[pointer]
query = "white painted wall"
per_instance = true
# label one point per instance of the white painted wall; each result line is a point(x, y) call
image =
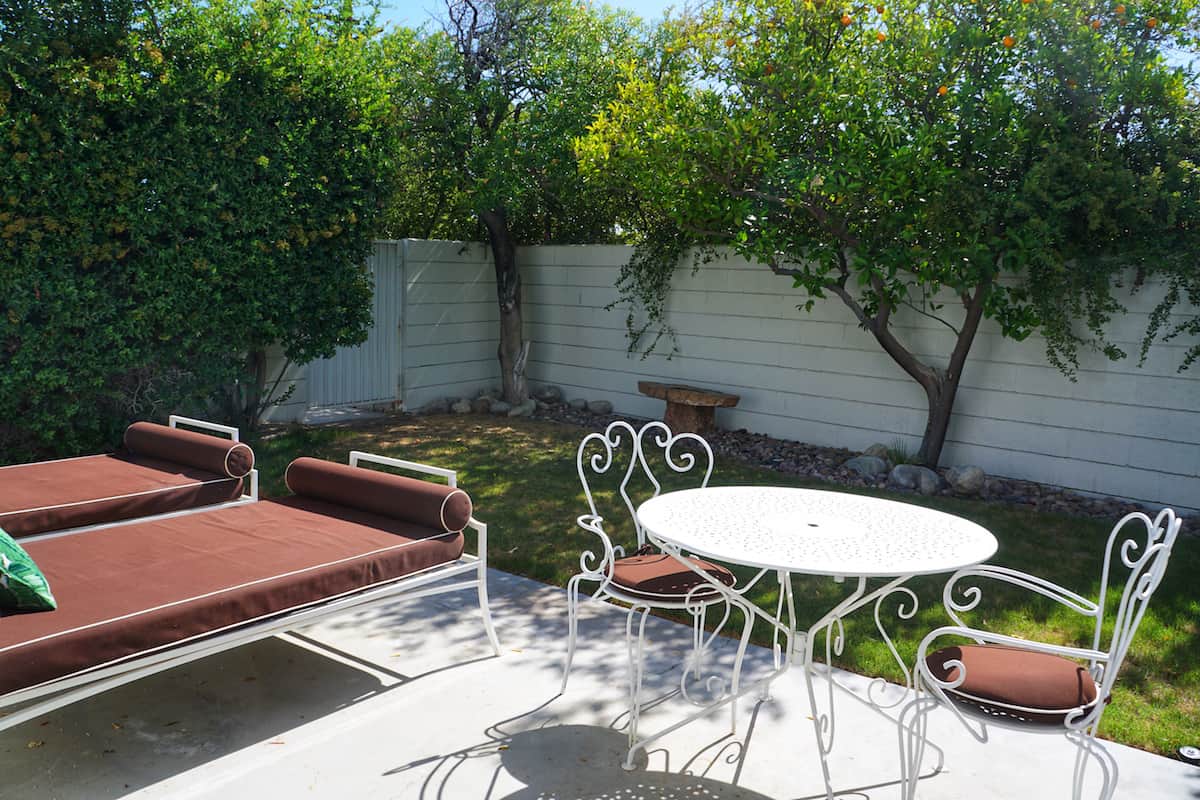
point(292, 376)
point(1119, 429)
point(451, 321)
point(818, 378)
point(369, 373)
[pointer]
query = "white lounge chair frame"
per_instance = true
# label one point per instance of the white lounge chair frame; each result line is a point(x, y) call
point(51, 695)
point(249, 495)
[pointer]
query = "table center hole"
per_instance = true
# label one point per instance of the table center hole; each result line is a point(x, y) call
point(813, 525)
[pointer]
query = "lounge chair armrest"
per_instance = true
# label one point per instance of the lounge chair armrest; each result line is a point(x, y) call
point(450, 475)
point(971, 595)
point(174, 421)
point(481, 530)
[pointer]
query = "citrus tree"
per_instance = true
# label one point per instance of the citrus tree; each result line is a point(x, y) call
point(1001, 159)
point(492, 102)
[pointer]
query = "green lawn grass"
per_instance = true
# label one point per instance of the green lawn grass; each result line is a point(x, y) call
point(521, 475)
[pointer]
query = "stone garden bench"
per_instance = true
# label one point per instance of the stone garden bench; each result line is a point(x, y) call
point(689, 409)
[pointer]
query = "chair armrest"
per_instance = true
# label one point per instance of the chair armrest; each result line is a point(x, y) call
point(591, 569)
point(450, 475)
point(480, 529)
point(973, 594)
point(989, 637)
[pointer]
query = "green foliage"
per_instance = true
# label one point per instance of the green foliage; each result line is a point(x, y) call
point(1021, 153)
point(1183, 287)
point(901, 453)
point(181, 184)
point(491, 104)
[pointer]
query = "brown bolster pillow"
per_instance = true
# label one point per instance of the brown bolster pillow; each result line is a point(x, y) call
point(431, 505)
point(199, 450)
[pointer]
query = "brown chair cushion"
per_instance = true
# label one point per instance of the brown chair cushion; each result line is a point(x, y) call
point(428, 504)
point(199, 450)
point(1003, 681)
point(658, 576)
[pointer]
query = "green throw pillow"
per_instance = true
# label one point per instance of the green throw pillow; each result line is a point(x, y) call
point(23, 587)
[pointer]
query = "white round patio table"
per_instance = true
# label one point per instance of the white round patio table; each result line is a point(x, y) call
point(813, 532)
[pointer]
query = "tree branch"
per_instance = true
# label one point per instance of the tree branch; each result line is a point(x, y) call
point(934, 317)
point(975, 306)
point(778, 270)
point(878, 326)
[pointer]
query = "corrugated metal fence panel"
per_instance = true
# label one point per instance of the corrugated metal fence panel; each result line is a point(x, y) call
point(370, 372)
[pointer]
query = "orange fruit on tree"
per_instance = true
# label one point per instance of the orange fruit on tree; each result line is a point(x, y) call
point(1120, 9)
point(1009, 41)
point(879, 8)
point(942, 90)
point(1152, 22)
point(1095, 24)
point(880, 36)
point(846, 20)
point(730, 42)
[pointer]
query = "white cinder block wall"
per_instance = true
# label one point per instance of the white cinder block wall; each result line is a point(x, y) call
point(450, 325)
point(445, 308)
point(817, 377)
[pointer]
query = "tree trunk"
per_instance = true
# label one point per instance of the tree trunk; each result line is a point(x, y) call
point(252, 399)
point(940, 396)
point(513, 348)
point(940, 385)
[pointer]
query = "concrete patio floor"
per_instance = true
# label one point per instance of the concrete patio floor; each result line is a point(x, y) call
point(406, 701)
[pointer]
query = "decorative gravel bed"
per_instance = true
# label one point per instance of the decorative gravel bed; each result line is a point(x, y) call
point(826, 464)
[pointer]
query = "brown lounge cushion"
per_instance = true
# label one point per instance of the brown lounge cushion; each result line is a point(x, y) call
point(420, 502)
point(658, 576)
point(1004, 681)
point(91, 490)
point(132, 588)
point(199, 450)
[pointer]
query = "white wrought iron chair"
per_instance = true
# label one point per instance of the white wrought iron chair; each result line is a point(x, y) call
point(1037, 687)
point(643, 579)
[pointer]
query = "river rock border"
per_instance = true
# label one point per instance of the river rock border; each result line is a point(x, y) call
point(831, 464)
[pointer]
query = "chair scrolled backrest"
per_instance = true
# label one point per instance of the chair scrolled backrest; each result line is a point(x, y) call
point(1145, 554)
point(655, 436)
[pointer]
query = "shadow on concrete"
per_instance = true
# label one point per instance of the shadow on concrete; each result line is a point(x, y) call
point(139, 734)
point(530, 615)
point(581, 762)
point(586, 766)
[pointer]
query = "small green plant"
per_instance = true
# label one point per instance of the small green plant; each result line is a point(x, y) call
point(899, 453)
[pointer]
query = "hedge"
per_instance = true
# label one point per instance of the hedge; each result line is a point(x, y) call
point(181, 185)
